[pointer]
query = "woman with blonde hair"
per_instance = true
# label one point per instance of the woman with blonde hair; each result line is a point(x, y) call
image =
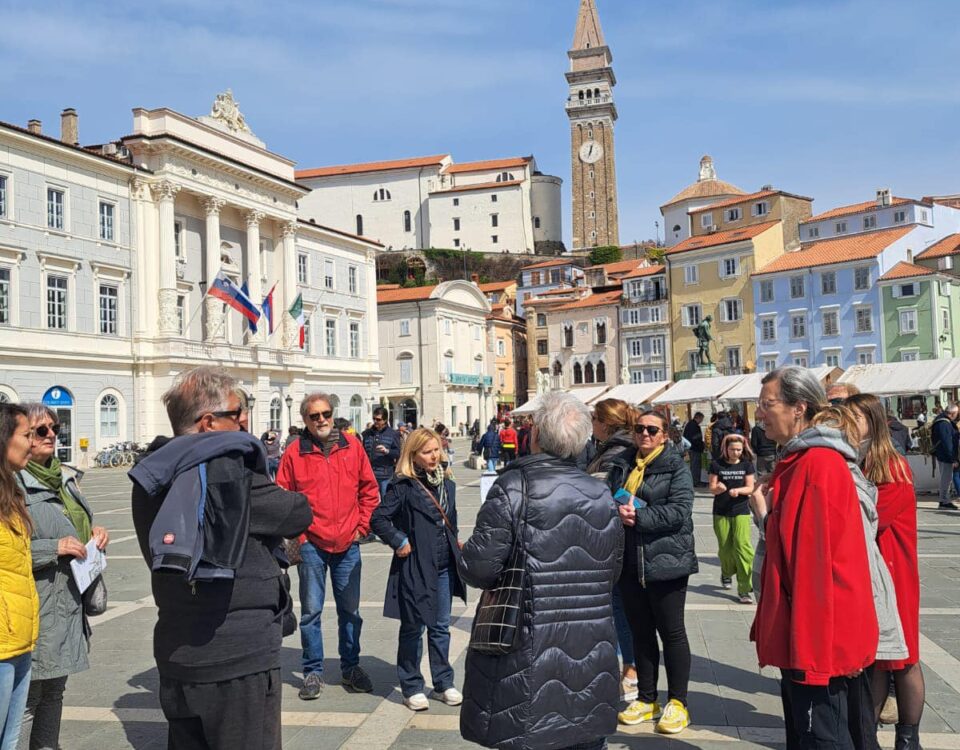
point(732, 480)
point(19, 605)
point(418, 519)
point(897, 540)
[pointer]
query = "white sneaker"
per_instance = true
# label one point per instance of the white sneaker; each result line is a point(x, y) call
point(628, 689)
point(450, 696)
point(417, 702)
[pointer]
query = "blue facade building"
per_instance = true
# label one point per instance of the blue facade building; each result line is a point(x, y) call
point(546, 276)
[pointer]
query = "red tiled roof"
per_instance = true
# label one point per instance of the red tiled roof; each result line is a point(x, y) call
point(904, 270)
point(720, 238)
point(496, 286)
point(404, 295)
point(562, 290)
point(549, 263)
point(704, 189)
point(620, 266)
point(485, 166)
point(479, 186)
point(949, 245)
point(385, 287)
point(647, 271)
point(594, 300)
point(750, 197)
point(372, 166)
point(836, 250)
point(856, 208)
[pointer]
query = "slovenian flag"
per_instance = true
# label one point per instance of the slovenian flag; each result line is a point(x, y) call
point(296, 312)
point(251, 324)
point(267, 309)
point(224, 289)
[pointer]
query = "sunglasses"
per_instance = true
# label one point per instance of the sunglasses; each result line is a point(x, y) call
point(837, 401)
point(650, 429)
point(325, 414)
point(42, 431)
point(233, 414)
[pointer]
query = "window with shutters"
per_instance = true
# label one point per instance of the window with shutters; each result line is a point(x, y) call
point(864, 319)
point(861, 278)
point(828, 282)
point(732, 310)
point(831, 323)
point(766, 291)
point(768, 329)
point(796, 287)
point(908, 321)
point(798, 326)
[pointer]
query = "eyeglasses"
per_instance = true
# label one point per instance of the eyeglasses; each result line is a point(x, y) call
point(42, 431)
point(325, 414)
point(765, 405)
point(233, 414)
point(650, 429)
point(379, 419)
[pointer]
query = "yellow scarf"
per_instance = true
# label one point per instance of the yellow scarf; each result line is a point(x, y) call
point(636, 476)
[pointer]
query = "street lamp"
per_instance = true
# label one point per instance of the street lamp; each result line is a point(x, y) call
point(289, 402)
point(251, 400)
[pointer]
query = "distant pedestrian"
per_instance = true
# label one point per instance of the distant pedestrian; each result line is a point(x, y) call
point(271, 442)
point(508, 441)
point(720, 429)
point(293, 435)
point(732, 480)
point(763, 448)
point(694, 435)
point(490, 447)
point(946, 441)
point(382, 445)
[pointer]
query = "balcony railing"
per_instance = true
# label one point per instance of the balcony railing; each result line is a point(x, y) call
point(647, 297)
point(573, 102)
point(647, 359)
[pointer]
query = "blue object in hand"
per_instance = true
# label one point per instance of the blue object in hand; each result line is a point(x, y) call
point(623, 497)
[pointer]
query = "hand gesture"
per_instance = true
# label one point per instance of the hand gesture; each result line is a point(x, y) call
point(71, 546)
point(101, 536)
point(628, 514)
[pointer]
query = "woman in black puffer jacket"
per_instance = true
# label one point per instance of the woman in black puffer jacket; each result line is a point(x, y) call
point(656, 505)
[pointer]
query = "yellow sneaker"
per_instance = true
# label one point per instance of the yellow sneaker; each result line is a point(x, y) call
point(675, 718)
point(639, 712)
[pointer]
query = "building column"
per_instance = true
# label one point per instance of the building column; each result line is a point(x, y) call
point(165, 193)
point(213, 308)
point(252, 263)
point(290, 290)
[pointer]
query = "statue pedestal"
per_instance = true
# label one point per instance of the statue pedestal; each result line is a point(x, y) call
point(705, 371)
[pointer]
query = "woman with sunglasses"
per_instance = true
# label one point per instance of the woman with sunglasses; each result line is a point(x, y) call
point(62, 526)
point(654, 488)
point(732, 479)
point(19, 618)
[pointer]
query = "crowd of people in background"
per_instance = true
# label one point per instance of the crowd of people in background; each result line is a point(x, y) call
point(589, 523)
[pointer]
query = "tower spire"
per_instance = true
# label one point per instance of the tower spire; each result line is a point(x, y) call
point(589, 34)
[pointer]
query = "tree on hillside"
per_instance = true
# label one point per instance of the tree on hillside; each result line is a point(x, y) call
point(605, 254)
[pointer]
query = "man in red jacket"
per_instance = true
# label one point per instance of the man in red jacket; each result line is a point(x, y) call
point(332, 469)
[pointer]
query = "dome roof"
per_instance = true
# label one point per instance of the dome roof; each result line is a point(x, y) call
point(708, 185)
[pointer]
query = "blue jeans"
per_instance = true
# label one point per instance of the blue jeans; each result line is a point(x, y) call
point(384, 483)
point(410, 645)
point(344, 570)
point(624, 634)
point(14, 686)
point(491, 464)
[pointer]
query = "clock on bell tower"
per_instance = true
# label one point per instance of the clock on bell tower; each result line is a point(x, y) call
point(592, 114)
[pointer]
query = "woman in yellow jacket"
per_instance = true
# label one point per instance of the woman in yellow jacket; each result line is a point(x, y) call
point(19, 616)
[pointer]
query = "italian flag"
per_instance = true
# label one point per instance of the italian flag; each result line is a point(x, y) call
point(296, 312)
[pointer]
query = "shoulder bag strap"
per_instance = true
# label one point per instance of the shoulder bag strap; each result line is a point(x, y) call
point(429, 494)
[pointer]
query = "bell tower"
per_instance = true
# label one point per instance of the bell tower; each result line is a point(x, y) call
point(592, 114)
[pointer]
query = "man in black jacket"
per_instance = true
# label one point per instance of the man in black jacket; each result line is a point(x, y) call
point(217, 643)
point(382, 444)
point(763, 448)
point(694, 435)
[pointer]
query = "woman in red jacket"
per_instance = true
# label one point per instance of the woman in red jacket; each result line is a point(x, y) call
point(508, 442)
point(816, 619)
point(897, 539)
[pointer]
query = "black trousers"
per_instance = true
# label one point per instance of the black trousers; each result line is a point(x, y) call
point(657, 608)
point(239, 713)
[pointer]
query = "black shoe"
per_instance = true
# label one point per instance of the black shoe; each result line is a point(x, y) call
point(312, 687)
point(357, 680)
point(907, 737)
point(948, 506)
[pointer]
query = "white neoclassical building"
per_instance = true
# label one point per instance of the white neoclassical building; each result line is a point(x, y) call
point(434, 351)
point(105, 257)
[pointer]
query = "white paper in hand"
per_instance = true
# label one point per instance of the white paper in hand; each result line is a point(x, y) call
point(86, 571)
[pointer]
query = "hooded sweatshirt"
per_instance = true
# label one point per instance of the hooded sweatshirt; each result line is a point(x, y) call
point(816, 618)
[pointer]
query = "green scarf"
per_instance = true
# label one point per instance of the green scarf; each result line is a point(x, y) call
point(52, 478)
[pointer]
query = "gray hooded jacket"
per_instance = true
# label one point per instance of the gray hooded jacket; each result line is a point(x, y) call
point(892, 645)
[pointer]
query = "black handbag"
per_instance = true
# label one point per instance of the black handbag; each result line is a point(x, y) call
point(500, 609)
point(94, 598)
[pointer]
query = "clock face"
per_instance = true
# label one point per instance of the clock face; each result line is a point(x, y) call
point(591, 152)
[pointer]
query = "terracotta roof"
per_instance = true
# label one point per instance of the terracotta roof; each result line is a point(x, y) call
point(486, 166)
point(647, 271)
point(620, 266)
point(720, 238)
point(496, 286)
point(385, 287)
point(562, 290)
point(549, 263)
point(949, 245)
point(372, 166)
point(856, 208)
point(836, 250)
point(704, 189)
point(904, 270)
point(751, 197)
point(594, 300)
point(478, 186)
point(412, 294)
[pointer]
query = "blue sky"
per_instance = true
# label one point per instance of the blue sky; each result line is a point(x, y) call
point(827, 99)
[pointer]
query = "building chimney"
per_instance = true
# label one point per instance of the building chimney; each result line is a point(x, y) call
point(909, 255)
point(766, 188)
point(34, 126)
point(70, 127)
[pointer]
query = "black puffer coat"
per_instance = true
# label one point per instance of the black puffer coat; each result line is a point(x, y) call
point(561, 684)
point(663, 535)
point(617, 445)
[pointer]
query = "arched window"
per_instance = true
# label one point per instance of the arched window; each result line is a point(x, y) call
point(577, 374)
point(109, 417)
point(381, 195)
point(505, 177)
point(588, 373)
point(360, 224)
point(356, 411)
point(407, 221)
point(581, 94)
point(557, 369)
point(335, 405)
point(676, 227)
point(601, 372)
point(596, 93)
point(601, 332)
point(589, 94)
point(276, 413)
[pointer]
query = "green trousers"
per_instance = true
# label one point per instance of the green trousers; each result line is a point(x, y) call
point(736, 551)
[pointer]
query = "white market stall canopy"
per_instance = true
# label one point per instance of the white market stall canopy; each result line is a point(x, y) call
point(748, 389)
point(695, 390)
point(587, 395)
point(634, 393)
point(528, 408)
point(904, 378)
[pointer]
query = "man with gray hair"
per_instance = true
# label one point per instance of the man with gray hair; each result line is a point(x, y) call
point(331, 468)
point(572, 541)
point(946, 442)
point(219, 585)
